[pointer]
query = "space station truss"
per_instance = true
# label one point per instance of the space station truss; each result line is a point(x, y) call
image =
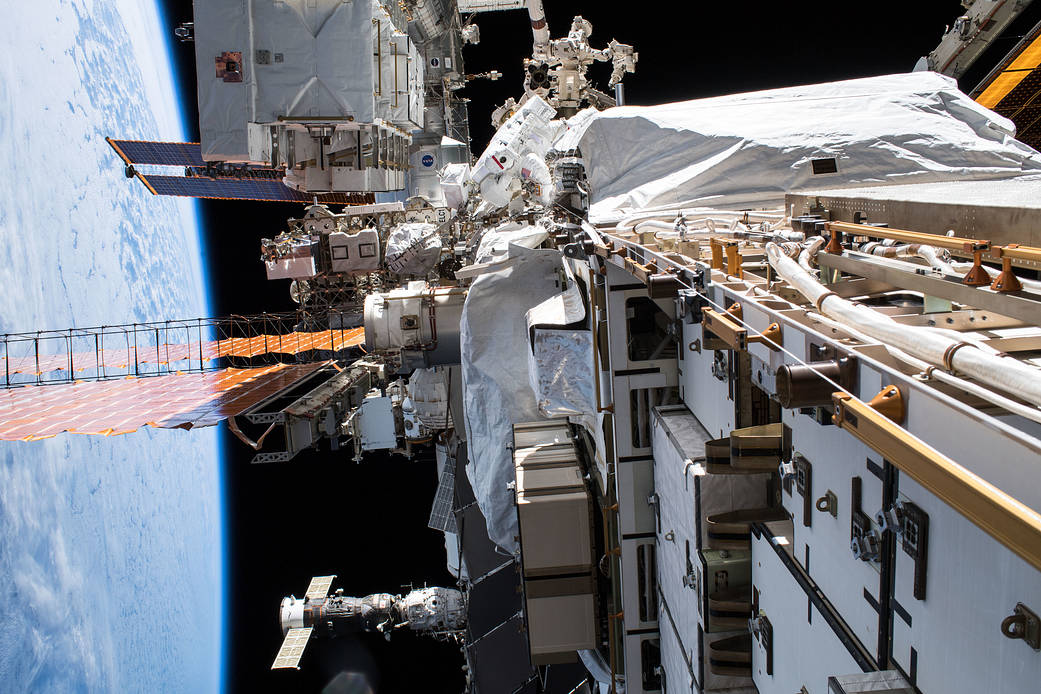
point(148, 349)
point(200, 179)
point(177, 400)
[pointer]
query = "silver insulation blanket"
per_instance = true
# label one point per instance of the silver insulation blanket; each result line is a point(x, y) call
point(494, 343)
point(560, 361)
point(561, 371)
point(747, 150)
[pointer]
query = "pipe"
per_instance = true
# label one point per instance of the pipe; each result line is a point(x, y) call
point(379, 56)
point(1025, 411)
point(665, 228)
point(909, 250)
point(670, 225)
point(695, 214)
point(929, 254)
point(539, 26)
point(789, 235)
point(813, 245)
point(767, 214)
point(1005, 374)
point(887, 250)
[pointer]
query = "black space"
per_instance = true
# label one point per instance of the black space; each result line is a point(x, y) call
point(321, 514)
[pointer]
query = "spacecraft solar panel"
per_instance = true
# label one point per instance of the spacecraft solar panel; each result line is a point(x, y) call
point(234, 189)
point(292, 649)
point(159, 153)
point(441, 516)
point(1011, 89)
point(319, 587)
point(24, 357)
point(492, 600)
point(120, 406)
point(480, 553)
point(499, 659)
point(243, 189)
point(464, 493)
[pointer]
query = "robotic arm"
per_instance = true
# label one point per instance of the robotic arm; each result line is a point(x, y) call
point(624, 58)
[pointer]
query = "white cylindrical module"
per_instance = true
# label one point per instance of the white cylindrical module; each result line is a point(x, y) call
point(416, 317)
point(434, 609)
point(291, 614)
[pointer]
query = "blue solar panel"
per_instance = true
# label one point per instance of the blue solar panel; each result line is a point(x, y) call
point(161, 153)
point(243, 189)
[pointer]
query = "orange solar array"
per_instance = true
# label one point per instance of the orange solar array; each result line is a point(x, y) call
point(290, 343)
point(124, 405)
point(122, 358)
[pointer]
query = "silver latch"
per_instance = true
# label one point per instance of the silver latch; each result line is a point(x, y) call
point(866, 546)
point(891, 519)
point(786, 470)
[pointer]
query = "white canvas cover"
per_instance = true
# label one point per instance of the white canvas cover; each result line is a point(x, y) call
point(428, 389)
point(747, 150)
point(494, 244)
point(496, 390)
point(413, 248)
point(454, 178)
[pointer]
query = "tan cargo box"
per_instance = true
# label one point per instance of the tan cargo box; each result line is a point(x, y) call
point(545, 456)
point(541, 481)
point(560, 625)
point(555, 533)
point(528, 434)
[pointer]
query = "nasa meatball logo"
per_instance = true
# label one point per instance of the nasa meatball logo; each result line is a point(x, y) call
point(434, 62)
point(428, 160)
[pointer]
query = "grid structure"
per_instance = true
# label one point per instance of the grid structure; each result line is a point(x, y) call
point(292, 649)
point(1012, 88)
point(267, 186)
point(122, 406)
point(22, 357)
point(441, 515)
point(319, 586)
point(159, 153)
point(244, 189)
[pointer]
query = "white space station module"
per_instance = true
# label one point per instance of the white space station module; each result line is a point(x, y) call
point(737, 395)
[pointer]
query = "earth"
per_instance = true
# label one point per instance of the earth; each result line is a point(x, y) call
point(111, 549)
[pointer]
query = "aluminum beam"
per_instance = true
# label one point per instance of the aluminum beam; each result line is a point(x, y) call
point(1014, 304)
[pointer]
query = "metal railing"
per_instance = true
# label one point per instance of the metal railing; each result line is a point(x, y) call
point(171, 346)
